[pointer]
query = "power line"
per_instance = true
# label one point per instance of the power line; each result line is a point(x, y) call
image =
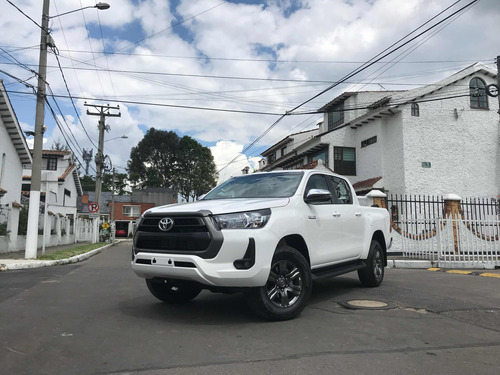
point(96, 68)
point(90, 45)
point(24, 14)
point(385, 53)
point(219, 109)
point(72, 101)
point(277, 61)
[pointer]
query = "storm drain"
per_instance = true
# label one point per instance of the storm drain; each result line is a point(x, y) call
point(366, 304)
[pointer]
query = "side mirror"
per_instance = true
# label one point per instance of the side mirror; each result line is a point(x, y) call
point(318, 196)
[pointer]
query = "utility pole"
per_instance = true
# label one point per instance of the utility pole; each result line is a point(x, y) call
point(103, 111)
point(113, 226)
point(36, 171)
point(498, 82)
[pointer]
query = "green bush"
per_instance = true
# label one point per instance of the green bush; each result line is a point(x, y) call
point(3, 230)
point(23, 221)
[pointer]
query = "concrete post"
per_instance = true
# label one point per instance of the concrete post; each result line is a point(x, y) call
point(13, 224)
point(452, 210)
point(378, 198)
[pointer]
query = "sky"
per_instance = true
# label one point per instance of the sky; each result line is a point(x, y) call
point(223, 72)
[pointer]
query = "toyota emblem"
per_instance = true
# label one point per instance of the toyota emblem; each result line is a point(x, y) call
point(165, 224)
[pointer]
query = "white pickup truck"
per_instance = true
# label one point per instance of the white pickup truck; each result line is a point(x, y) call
point(265, 234)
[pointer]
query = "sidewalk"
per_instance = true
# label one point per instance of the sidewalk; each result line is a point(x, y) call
point(15, 260)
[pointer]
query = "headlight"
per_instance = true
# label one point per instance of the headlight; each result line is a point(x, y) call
point(243, 220)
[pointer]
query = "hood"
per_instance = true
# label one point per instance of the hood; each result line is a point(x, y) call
point(222, 206)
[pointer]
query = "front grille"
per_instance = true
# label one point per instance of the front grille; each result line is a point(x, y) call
point(172, 242)
point(190, 234)
point(181, 224)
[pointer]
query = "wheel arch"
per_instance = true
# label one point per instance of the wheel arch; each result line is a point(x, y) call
point(379, 237)
point(298, 243)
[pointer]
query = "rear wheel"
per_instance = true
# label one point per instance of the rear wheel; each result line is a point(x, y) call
point(166, 291)
point(373, 274)
point(287, 289)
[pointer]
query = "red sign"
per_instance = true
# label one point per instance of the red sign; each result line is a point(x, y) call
point(93, 207)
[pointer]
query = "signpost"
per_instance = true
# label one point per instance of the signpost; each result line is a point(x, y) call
point(93, 207)
point(94, 214)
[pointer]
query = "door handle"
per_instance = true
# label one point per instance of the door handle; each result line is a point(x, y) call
point(336, 214)
point(357, 214)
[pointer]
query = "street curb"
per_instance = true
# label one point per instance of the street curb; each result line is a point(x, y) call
point(415, 264)
point(29, 264)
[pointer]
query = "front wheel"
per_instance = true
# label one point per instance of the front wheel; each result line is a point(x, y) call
point(166, 291)
point(287, 289)
point(373, 274)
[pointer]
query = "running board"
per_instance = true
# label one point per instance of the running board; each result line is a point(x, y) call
point(337, 269)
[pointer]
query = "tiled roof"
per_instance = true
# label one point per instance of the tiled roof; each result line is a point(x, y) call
point(67, 172)
point(12, 126)
point(366, 184)
point(54, 152)
point(314, 165)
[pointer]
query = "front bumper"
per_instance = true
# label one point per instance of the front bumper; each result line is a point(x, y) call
point(219, 271)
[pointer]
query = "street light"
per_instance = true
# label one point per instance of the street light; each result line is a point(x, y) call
point(123, 136)
point(99, 6)
point(36, 172)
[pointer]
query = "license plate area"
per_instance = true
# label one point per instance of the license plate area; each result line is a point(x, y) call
point(166, 262)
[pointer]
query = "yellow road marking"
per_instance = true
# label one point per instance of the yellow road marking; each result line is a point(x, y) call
point(433, 269)
point(486, 274)
point(459, 272)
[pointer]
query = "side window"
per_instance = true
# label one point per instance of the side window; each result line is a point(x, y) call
point(340, 190)
point(317, 181)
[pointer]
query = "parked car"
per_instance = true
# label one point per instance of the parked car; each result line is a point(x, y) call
point(121, 233)
point(265, 234)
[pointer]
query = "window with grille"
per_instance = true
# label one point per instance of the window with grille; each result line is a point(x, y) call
point(478, 97)
point(52, 164)
point(336, 116)
point(131, 211)
point(415, 110)
point(345, 160)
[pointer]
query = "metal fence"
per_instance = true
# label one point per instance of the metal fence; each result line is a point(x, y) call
point(413, 216)
point(433, 228)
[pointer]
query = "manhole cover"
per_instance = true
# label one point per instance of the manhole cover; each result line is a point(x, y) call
point(366, 304)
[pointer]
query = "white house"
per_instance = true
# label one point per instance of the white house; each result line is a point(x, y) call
point(437, 139)
point(60, 188)
point(14, 151)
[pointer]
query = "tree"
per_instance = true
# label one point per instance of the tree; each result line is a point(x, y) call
point(119, 185)
point(196, 169)
point(88, 183)
point(58, 145)
point(153, 161)
point(162, 159)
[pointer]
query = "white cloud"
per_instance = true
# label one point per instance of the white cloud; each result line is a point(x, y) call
point(224, 152)
point(235, 38)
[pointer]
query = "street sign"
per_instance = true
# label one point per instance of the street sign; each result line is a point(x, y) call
point(93, 207)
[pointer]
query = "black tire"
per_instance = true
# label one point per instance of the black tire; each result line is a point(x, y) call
point(288, 287)
point(373, 274)
point(165, 291)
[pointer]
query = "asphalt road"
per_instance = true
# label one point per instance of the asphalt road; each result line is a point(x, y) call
point(97, 317)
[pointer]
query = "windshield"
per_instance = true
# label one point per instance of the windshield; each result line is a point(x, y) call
point(258, 185)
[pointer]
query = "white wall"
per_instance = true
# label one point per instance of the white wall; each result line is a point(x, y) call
point(12, 174)
point(462, 146)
